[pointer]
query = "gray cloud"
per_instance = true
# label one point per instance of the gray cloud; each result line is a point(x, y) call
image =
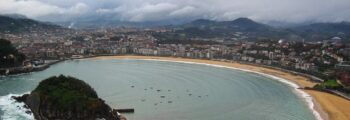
point(163, 10)
point(37, 9)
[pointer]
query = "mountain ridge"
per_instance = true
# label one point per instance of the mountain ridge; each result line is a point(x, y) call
point(204, 28)
point(16, 24)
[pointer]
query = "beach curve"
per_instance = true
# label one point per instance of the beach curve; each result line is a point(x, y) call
point(324, 106)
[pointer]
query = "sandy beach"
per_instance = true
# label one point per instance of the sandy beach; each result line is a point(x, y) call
point(330, 107)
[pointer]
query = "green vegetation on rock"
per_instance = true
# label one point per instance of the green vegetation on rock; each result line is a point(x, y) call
point(66, 98)
point(9, 56)
point(67, 91)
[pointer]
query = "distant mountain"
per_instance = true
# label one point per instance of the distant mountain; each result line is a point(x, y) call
point(323, 31)
point(325, 27)
point(240, 24)
point(247, 29)
point(285, 24)
point(16, 16)
point(245, 24)
point(241, 28)
point(22, 24)
point(200, 23)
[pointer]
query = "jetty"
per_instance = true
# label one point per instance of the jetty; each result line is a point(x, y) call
point(126, 110)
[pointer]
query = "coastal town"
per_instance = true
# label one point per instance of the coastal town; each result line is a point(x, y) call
point(316, 56)
point(174, 60)
point(323, 59)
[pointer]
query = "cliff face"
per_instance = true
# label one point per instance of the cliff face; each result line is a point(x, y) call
point(66, 98)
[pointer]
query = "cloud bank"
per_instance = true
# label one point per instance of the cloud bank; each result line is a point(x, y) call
point(165, 10)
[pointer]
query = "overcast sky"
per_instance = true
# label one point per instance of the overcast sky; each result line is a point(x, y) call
point(163, 10)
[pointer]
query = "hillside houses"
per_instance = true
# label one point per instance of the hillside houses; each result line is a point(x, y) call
point(315, 57)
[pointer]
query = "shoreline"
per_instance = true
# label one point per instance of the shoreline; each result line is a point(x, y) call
point(324, 106)
point(304, 96)
point(23, 70)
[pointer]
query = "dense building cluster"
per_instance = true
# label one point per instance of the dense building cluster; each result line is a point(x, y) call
point(318, 58)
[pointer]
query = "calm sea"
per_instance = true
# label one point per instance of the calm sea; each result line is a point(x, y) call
point(160, 90)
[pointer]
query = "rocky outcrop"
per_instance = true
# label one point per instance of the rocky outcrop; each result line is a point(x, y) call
point(66, 98)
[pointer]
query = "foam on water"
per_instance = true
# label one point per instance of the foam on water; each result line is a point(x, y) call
point(12, 110)
point(308, 99)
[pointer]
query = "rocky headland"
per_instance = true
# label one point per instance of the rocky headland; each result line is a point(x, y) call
point(66, 98)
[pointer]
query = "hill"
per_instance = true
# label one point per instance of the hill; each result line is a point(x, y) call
point(323, 31)
point(241, 28)
point(247, 29)
point(9, 56)
point(15, 23)
point(240, 24)
point(325, 27)
point(66, 98)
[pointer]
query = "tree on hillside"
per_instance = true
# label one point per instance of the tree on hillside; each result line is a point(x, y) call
point(9, 56)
